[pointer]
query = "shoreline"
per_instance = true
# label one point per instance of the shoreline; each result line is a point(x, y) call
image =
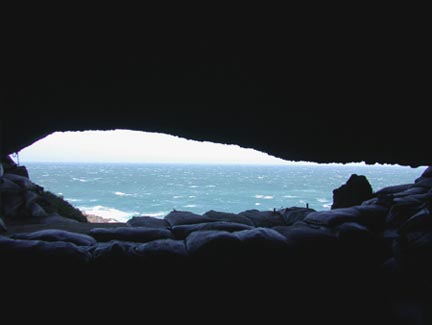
point(92, 218)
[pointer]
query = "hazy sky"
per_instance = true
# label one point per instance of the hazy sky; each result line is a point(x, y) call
point(136, 146)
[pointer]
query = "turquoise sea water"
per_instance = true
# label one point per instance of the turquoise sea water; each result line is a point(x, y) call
point(121, 191)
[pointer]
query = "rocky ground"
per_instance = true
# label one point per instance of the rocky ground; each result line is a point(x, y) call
point(370, 256)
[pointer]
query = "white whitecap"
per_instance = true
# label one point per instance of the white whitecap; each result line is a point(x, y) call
point(267, 197)
point(122, 194)
point(177, 196)
point(155, 214)
point(257, 203)
point(327, 205)
point(259, 196)
point(291, 196)
point(109, 213)
point(192, 196)
point(83, 180)
point(189, 206)
point(322, 200)
point(73, 200)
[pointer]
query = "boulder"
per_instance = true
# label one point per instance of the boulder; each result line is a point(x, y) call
point(114, 251)
point(16, 170)
point(53, 235)
point(12, 199)
point(52, 218)
point(182, 231)
point(361, 247)
point(422, 220)
point(23, 182)
point(425, 182)
point(149, 222)
point(131, 234)
point(46, 219)
point(211, 243)
point(261, 238)
point(400, 213)
point(372, 216)
point(39, 252)
point(356, 190)
point(263, 250)
point(344, 230)
point(175, 218)
point(427, 172)
point(311, 251)
point(20, 198)
point(230, 217)
point(406, 207)
point(413, 190)
point(264, 218)
point(413, 252)
point(294, 214)
point(162, 249)
point(333, 217)
point(297, 236)
point(389, 190)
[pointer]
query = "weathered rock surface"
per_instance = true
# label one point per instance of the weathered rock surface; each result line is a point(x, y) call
point(23, 202)
point(133, 234)
point(264, 218)
point(53, 235)
point(149, 222)
point(176, 218)
point(294, 214)
point(355, 191)
point(182, 231)
point(362, 249)
point(230, 217)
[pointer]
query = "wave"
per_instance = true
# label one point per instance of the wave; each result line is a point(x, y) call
point(156, 214)
point(122, 194)
point(107, 212)
point(73, 200)
point(189, 206)
point(265, 197)
point(122, 216)
point(322, 200)
point(83, 180)
point(290, 196)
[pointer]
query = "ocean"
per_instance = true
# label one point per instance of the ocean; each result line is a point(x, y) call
point(121, 190)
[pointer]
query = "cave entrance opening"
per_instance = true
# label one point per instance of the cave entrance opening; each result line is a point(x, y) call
point(114, 175)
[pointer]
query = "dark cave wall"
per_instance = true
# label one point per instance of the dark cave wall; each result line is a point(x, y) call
point(289, 134)
point(324, 94)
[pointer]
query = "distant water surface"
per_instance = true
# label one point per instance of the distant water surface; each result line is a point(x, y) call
point(121, 191)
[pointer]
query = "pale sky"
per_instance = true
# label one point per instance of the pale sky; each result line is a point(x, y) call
point(136, 146)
